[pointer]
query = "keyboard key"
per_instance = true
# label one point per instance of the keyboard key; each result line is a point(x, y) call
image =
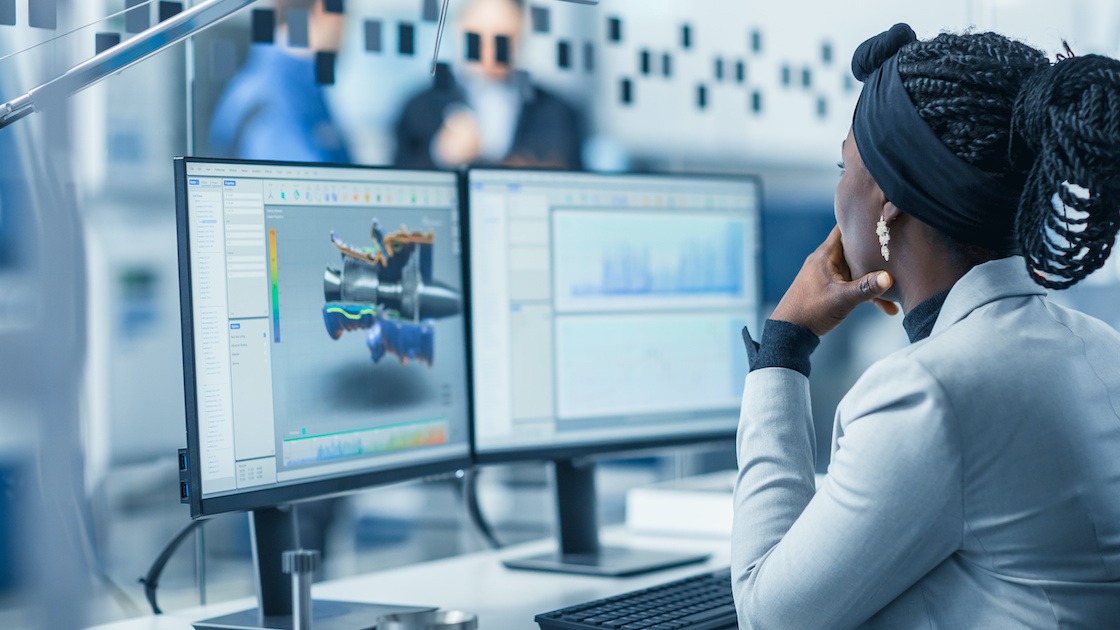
point(713, 613)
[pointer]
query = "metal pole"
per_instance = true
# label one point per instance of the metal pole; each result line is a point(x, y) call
point(301, 564)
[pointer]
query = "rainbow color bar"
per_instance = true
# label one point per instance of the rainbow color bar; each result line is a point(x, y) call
point(274, 281)
point(307, 449)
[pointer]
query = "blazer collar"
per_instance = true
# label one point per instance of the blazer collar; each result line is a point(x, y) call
point(991, 281)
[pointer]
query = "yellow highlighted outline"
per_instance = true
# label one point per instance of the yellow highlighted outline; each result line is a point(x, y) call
point(347, 315)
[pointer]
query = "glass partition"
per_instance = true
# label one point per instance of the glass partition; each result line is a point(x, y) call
point(90, 352)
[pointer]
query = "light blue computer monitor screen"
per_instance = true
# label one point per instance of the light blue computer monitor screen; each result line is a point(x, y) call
point(608, 309)
point(328, 324)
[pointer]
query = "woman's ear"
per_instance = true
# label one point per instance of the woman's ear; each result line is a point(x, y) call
point(890, 211)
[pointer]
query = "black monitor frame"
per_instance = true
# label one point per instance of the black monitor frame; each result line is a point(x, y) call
point(268, 497)
point(273, 527)
point(577, 530)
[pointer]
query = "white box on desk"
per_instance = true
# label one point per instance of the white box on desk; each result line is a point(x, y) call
point(699, 505)
point(693, 506)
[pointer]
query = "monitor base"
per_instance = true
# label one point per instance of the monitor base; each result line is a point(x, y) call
point(608, 562)
point(326, 615)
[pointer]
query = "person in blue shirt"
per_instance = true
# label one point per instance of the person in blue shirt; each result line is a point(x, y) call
point(274, 108)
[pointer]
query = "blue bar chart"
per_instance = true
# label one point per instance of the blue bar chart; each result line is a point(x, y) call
point(615, 261)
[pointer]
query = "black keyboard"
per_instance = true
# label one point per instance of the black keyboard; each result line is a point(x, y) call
point(700, 602)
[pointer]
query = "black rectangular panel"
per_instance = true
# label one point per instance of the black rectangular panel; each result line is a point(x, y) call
point(430, 11)
point(541, 18)
point(105, 41)
point(474, 47)
point(644, 62)
point(666, 65)
point(264, 26)
point(334, 6)
point(701, 97)
point(42, 14)
point(563, 54)
point(324, 67)
point(299, 31)
point(740, 71)
point(138, 18)
point(373, 35)
point(406, 36)
point(626, 91)
point(168, 9)
point(686, 36)
point(8, 12)
point(756, 101)
point(501, 49)
point(718, 70)
point(614, 29)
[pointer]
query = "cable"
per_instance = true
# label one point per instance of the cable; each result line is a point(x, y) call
point(439, 35)
point(474, 510)
point(151, 579)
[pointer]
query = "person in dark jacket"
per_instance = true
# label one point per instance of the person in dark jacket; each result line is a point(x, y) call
point(486, 111)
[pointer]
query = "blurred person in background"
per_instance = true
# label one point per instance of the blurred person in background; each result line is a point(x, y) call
point(486, 111)
point(273, 108)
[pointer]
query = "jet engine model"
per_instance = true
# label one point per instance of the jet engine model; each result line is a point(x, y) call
point(388, 291)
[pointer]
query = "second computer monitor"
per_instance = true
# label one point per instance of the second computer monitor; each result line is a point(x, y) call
point(607, 310)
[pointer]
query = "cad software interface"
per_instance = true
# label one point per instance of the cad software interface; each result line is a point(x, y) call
point(327, 321)
point(608, 309)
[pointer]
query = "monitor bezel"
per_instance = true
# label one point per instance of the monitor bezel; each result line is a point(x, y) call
point(590, 449)
point(304, 490)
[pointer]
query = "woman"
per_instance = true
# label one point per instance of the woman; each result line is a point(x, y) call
point(975, 475)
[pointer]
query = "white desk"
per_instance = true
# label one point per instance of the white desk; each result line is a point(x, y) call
point(503, 599)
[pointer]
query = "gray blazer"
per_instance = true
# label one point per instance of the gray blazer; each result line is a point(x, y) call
point(974, 479)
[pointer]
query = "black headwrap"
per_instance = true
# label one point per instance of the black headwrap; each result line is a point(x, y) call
point(915, 170)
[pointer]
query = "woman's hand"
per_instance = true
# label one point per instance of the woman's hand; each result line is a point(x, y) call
point(823, 293)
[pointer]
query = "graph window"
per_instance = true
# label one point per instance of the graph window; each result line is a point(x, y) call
point(608, 308)
point(327, 321)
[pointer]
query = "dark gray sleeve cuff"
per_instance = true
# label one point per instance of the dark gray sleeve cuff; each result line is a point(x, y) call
point(783, 345)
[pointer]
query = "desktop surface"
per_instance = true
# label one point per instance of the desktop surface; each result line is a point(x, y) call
point(323, 328)
point(606, 310)
point(478, 583)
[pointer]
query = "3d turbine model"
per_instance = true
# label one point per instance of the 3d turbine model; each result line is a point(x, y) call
point(388, 291)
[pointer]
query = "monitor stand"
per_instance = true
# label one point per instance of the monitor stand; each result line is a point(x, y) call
point(580, 551)
point(273, 532)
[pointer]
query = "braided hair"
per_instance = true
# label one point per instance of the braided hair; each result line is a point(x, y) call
point(1054, 130)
